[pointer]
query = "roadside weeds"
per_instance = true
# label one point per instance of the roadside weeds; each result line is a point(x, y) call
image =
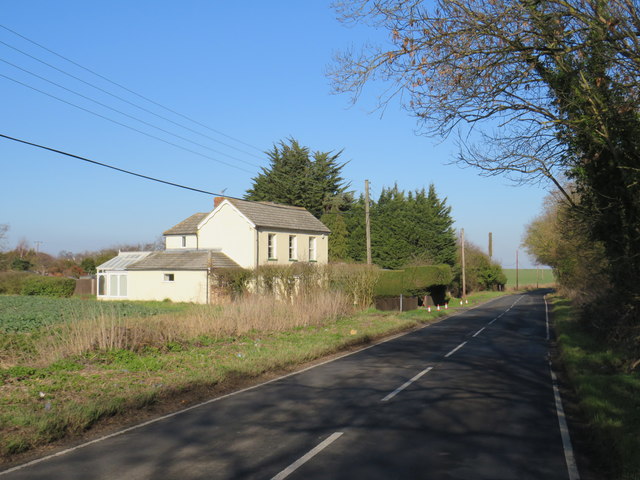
point(606, 394)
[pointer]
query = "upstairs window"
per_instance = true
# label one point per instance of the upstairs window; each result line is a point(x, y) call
point(184, 241)
point(312, 249)
point(169, 277)
point(271, 246)
point(293, 247)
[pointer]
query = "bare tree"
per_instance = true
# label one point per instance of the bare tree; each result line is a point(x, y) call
point(491, 71)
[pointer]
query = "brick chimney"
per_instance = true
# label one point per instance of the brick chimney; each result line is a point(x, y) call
point(217, 201)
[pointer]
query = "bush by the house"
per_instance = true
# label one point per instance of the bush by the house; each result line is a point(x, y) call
point(48, 286)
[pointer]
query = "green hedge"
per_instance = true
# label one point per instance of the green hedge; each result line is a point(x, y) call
point(413, 281)
point(48, 286)
point(11, 282)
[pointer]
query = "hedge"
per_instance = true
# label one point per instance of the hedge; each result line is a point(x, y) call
point(11, 282)
point(48, 286)
point(413, 281)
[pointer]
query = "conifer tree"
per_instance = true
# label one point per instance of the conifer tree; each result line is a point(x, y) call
point(295, 176)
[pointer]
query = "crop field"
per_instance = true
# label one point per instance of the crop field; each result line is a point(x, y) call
point(529, 276)
point(28, 313)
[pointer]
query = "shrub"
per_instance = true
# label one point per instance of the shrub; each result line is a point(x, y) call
point(358, 282)
point(413, 281)
point(234, 280)
point(48, 286)
point(21, 264)
point(11, 283)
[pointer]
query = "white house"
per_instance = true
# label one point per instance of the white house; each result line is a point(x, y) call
point(236, 233)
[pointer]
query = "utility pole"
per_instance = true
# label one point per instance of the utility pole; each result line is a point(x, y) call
point(464, 279)
point(367, 220)
point(490, 246)
point(38, 243)
point(517, 283)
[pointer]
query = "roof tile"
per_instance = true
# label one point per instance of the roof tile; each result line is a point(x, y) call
point(183, 260)
point(275, 215)
point(188, 226)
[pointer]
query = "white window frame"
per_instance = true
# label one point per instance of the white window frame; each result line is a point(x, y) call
point(293, 248)
point(272, 249)
point(313, 249)
point(115, 284)
point(169, 277)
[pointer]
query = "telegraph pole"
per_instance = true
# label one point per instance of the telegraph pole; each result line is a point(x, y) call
point(464, 279)
point(490, 246)
point(517, 283)
point(367, 220)
point(38, 243)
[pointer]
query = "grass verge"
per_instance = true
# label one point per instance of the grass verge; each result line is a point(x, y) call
point(607, 391)
point(43, 404)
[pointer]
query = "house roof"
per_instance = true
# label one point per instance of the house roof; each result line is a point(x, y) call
point(188, 226)
point(275, 215)
point(183, 260)
point(122, 261)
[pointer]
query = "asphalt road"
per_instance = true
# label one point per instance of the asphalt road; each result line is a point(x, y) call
point(468, 398)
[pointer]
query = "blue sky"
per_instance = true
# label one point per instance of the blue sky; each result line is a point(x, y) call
point(254, 71)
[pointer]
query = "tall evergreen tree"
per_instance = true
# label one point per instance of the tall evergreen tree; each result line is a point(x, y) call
point(406, 228)
point(295, 176)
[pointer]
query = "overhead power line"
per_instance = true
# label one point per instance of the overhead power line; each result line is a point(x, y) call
point(124, 124)
point(125, 114)
point(84, 159)
point(122, 170)
point(119, 97)
point(133, 93)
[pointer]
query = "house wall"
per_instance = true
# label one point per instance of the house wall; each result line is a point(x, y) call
point(231, 232)
point(282, 247)
point(175, 241)
point(188, 286)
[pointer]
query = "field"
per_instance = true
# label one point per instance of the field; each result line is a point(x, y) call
point(529, 277)
point(26, 313)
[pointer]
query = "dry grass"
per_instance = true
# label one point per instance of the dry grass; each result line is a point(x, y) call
point(109, 331)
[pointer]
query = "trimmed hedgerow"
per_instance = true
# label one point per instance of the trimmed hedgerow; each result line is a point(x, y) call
point(413, 281)
point(49, 286)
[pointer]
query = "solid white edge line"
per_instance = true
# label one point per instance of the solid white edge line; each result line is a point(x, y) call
point(207, 402)
point(572, 468)
point(308, 456)
point(478, 332)
point(546, 314)
point(405, 385)
point(455, 350)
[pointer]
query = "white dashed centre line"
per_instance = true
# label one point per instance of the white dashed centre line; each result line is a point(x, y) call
point(405, 385)
point(478, 332)
point(455, 350)
point(308, 456)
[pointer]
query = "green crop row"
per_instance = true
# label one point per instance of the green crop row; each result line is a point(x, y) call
point(28, 313)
